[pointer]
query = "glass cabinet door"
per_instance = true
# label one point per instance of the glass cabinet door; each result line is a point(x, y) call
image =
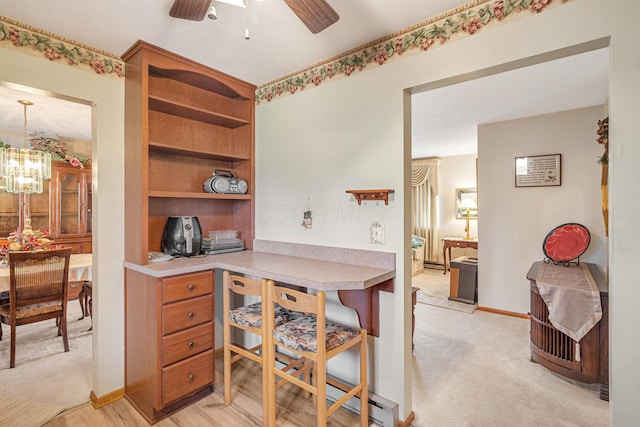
point(38, 209)
point(9, 213)
point(70, 205)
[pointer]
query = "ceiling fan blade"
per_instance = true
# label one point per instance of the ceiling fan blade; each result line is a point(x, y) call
point(193, 10)
point(315, 14)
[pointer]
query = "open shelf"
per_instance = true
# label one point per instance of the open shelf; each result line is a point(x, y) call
point(361, 195)
point(180, 151)
point(186, 195)
point(164, 105)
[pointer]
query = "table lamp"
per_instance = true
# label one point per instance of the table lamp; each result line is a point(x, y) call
point(468, 203)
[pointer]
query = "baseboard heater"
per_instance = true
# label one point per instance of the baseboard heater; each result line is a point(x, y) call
point(381, 410)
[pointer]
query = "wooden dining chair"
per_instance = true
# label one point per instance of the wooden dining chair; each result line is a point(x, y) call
point(314, 340)
point(37, 291)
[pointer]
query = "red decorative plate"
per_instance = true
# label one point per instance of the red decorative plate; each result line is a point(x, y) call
point(566, 242)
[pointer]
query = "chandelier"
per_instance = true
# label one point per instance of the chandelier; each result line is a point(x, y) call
point(23, 169)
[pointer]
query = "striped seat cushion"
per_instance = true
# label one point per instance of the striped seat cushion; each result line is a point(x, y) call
point(251, 315)
point(300, 334)
point(31, 310)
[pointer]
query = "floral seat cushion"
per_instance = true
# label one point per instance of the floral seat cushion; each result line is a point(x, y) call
point(300, 334)
point(251, 315)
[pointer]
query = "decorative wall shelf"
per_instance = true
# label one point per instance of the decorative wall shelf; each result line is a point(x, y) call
point(361, 195)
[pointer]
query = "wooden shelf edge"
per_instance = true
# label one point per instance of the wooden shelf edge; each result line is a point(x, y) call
point(193, 195)
point(361, 195)
point(170, 149)
point(168, 106)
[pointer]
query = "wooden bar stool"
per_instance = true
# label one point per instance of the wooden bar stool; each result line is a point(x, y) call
point(247, 318)
point(315, 340)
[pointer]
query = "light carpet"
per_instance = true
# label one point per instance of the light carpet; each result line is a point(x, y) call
point(44, 373)
point(434, 290)
point(445, 303)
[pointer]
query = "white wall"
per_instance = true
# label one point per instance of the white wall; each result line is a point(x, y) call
point(107, 95)
point(348, 134)
point(455, 172)
point(515, 220)
point(624, 179)
point(306, 158)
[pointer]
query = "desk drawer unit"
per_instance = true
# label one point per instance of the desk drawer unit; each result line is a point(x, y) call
point(169, 341)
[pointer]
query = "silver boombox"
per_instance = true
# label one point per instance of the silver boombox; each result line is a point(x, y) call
point(223, 182)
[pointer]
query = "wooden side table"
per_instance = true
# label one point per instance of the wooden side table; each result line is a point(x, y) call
point(85, 298)
point(455, 242)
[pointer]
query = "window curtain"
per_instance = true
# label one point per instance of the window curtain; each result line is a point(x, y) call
point(424, 218)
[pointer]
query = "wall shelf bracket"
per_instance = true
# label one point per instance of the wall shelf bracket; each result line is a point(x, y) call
point(361, 195)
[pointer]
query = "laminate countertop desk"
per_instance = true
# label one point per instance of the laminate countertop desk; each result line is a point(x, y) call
point(357, 285)
point(79, 270)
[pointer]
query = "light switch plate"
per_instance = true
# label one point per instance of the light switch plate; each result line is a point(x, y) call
point(376, 231)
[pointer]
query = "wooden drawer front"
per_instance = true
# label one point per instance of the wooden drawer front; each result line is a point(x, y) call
point(187, 376)
point(185, 314)
point(187, 286)
point(74, 289)
point(187, 343)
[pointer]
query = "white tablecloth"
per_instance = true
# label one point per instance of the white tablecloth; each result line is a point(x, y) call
point(79, 269)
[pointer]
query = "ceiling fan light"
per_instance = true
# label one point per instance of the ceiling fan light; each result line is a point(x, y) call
point(212, 13)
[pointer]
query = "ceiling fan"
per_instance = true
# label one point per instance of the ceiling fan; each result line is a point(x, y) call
point(315, 14)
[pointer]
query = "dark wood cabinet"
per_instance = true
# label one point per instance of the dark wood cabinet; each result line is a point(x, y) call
point(556, 351)
point(63, 208)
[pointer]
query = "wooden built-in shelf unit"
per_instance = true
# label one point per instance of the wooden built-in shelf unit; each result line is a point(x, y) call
point(183, 121)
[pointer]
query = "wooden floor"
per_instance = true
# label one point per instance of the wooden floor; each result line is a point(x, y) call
point(246, 410)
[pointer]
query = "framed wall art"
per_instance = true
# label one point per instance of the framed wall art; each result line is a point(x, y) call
point(538, 171)
point(466, 199)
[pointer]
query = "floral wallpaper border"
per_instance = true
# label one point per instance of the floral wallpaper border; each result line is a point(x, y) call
point(16, 35)
point(462, 22)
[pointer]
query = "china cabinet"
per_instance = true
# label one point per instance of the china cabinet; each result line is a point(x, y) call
point(63, 208)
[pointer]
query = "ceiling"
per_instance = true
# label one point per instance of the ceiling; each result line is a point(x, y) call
point(444, 119)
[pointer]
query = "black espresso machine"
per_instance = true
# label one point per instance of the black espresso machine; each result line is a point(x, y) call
point(182, 236)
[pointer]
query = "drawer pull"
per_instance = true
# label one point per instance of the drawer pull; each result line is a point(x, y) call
point(192, 378)
point(191, 287)
point(191, 344)
point(191, 315)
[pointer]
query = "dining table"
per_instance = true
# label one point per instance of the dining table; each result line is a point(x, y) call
point(79, 270)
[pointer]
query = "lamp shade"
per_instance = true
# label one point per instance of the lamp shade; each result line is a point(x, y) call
point(468, 203)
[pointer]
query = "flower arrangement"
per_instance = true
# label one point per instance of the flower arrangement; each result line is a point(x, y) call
point(603, 138)
point(27, 240)
point(57, 148)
